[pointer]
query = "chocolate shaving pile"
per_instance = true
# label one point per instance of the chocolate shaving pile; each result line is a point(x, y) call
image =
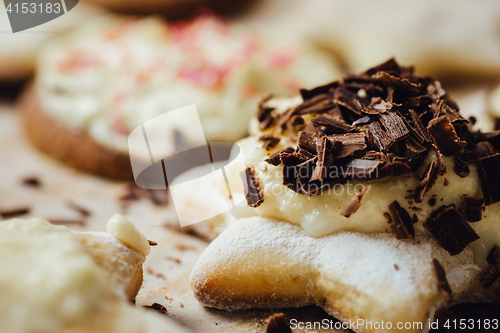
point(381, 125)
point(447, 226)
point(277, 324)
point(443, 285)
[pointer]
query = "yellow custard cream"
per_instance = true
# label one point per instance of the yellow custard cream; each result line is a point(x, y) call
point(320, 215)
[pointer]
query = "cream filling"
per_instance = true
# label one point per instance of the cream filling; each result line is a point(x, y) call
point(320, 215)
point(123, 230)
point(48, 281)
point(113, 74)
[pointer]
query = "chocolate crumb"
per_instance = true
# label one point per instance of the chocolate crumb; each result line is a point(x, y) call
point(32, 182)
point(152, 243)
point(472, 209)
point(275, 158)
point(84, 212)
point(270, 141)
point(253, 190)
point(493, 272)
point(432, 202)
point(157, 307)
point(353, 205)
point(396, 267)
point(8, 213)
point(277, 324)
point(447, 226)
point(446, 182)
point(176, 260)
point(181, 305)
point(442, 284)
point(79, 222)
point(400, 221)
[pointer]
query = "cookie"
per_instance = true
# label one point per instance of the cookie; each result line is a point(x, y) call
point(56, 280)
point(265, 263)
point(112, 75)
point(432, 36)
point(381, 159)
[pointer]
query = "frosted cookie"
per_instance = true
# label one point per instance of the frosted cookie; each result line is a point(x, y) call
point(53, 280)
point(347, 184)
point(19, 50)
point(434, 36)
point(111, 75)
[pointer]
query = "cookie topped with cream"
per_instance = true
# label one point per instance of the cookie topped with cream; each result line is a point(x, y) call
point(383, 151)
point(115, 73)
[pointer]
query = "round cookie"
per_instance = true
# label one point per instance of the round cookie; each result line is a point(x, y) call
point(111, 75)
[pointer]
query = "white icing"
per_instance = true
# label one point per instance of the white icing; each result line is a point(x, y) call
point(113, 74)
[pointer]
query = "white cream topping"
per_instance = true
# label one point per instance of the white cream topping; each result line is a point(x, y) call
point(48, 281)
point(320, 215)
point(123, 230)
point(113, 74)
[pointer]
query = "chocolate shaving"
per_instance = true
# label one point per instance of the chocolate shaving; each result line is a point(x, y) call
point(264, 114)
point(493, 272)
point(395, 125)
point(490, 178)
point(331, 125)
point(8, 213)
point(380, 137)
point(400, 221)
point(32, 182)
point(444, 136)
point(307, 146)
point(447, 226)
point(430, 178)
point(270, 141)
point(81, 210)
point(275, 158)
point(157, 307)
point(472, 209)
point(253, 190)
point(78, 222)
point(152, 243)
point(442, 282)
point(353, 205)
point(351, 142)
point(277, 324)
point(324, 146)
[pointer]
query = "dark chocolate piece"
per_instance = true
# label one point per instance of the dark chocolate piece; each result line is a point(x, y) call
point(381, 138)
point(79, 222)
point(270, 141)
point(157, 307)
point(8, 213)
point(264, 114)
point(442, 282)
point(32, 181)
point(353, 205)
point(277, 324)
point(253, 190)
point(351, 142)
point(325, 156)
point(493, 272)
point(490, 178)
point(444, 136)
point(152, 243)
point(307, 146)
point(447, 226)
point(472, 209)
point(275, 158)
point(400, 221)
point(81, 210)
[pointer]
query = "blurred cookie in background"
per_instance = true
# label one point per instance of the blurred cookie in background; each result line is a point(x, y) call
point(446, 38)
point(18, 50)
point(99, 82)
